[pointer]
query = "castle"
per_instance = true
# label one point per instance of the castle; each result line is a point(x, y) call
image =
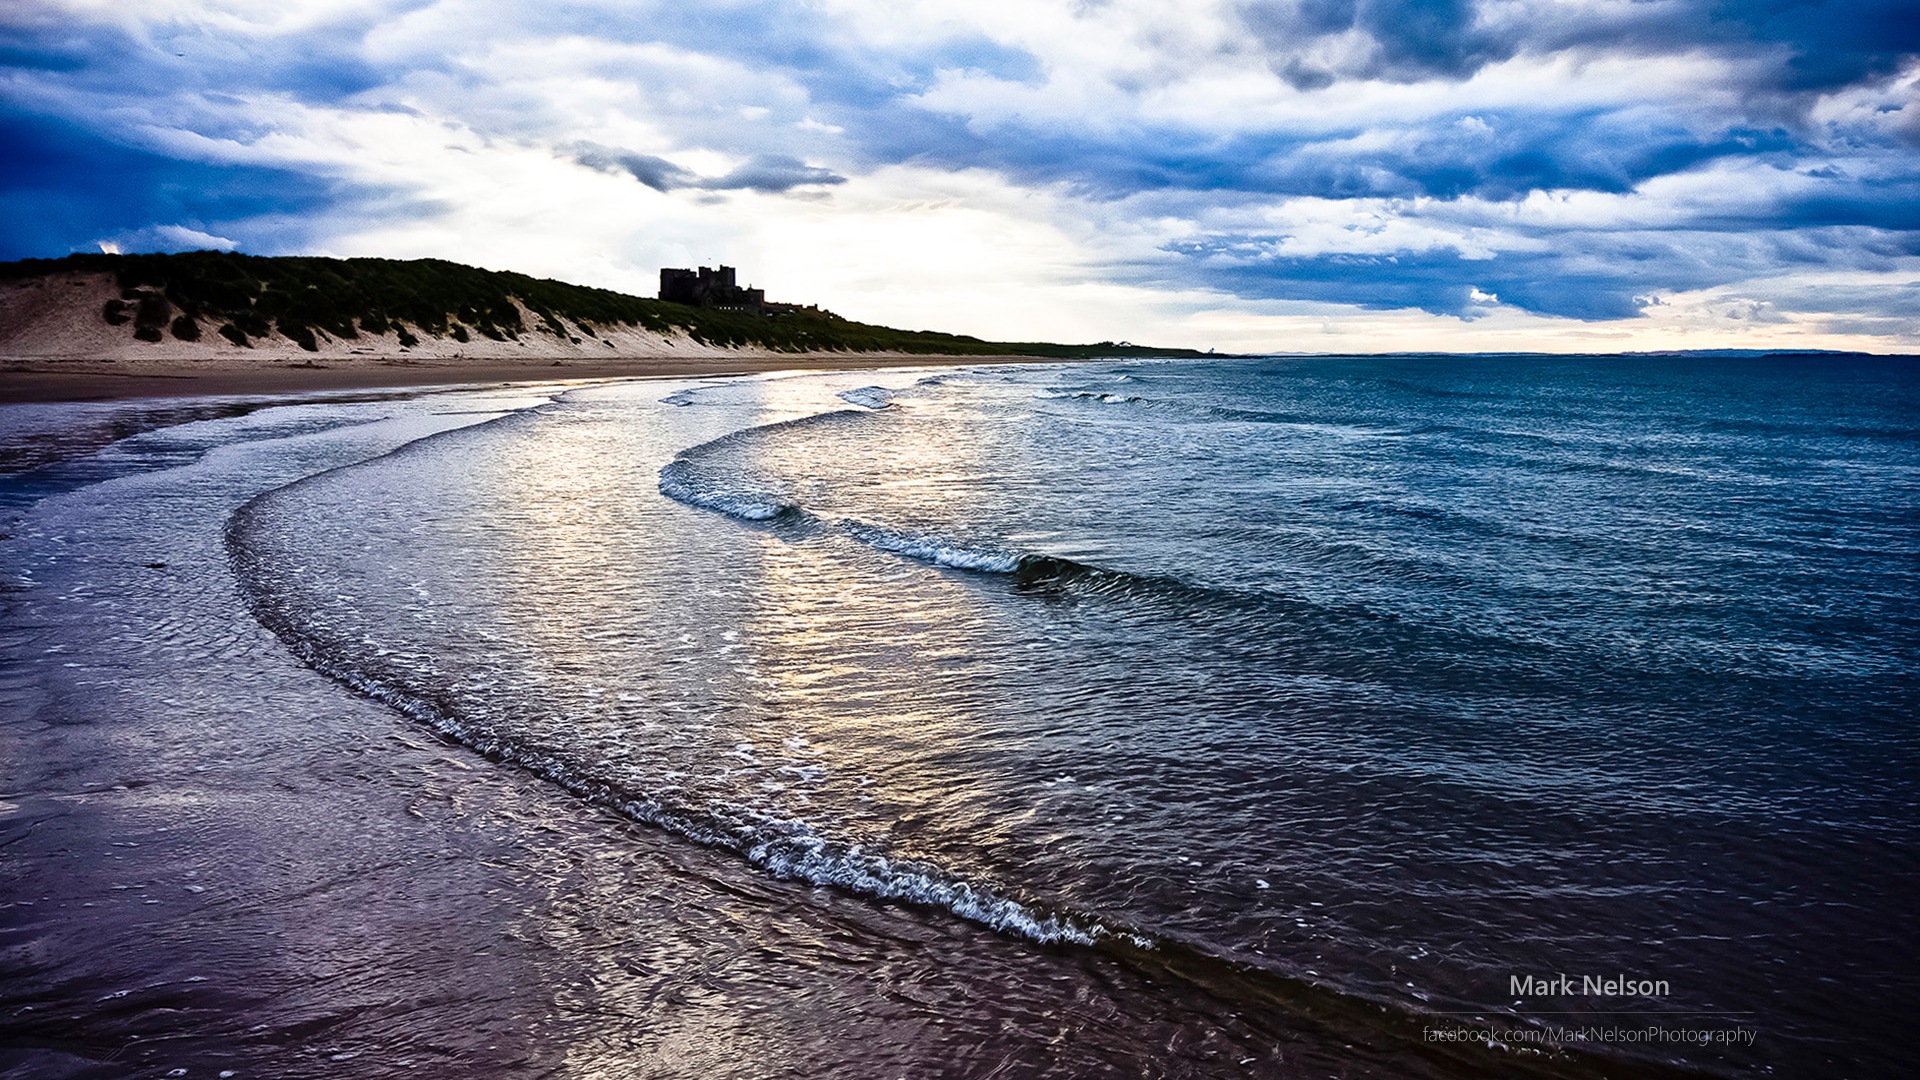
point(710, 289)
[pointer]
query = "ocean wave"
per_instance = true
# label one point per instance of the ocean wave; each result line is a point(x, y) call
point(951, 375)
point(1228, 413)
point(691, 479)
point(781, 846)
point(684, 481)
point(1043, 574)
point(680, 479)
point(1105, 397)
point(869, 397)
point(937, 550)
point(797, 852)
point(677, 482)
point(1030, 570)
point(784, 847)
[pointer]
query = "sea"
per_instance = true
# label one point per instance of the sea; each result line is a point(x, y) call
point(1289, 716)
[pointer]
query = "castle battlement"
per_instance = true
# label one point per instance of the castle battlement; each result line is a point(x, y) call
point(709, 288)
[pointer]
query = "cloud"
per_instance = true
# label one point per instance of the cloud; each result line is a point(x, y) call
point(166, 238)
point(1400, 40)
point(62, 188)
point(768, 173)
point(773, 173)
point(1815, 44)
point(657, 173)
point(1481, 160)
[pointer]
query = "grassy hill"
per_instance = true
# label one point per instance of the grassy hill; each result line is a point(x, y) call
point(248, 297)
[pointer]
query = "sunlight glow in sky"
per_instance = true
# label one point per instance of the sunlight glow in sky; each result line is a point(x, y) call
point(1290, 175)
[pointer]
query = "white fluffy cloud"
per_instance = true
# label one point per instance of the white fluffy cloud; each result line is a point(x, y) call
point(1242, 175)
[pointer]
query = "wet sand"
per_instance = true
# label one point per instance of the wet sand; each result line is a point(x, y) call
point(41, 380)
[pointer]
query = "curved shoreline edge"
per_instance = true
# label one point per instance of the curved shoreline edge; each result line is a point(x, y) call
point(791, 852)
point(40, 380)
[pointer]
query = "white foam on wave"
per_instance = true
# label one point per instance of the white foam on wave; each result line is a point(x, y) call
point(676, 483)
point(679, 481)
point(784, 847)
point(936, 550)
point(1344, 431)
point(805, 855)
point(1104, 397)
point(869, 397)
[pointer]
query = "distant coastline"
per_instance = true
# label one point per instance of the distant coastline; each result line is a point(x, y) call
point(104, 326)
point(115, 381)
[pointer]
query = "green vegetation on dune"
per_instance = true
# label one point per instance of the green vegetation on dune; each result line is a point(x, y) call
point(245, 297)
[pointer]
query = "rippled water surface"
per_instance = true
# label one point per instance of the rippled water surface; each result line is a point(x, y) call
point(1332, 685)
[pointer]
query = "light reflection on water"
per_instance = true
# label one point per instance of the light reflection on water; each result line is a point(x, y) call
point(1334, 701)
point(1382, 696)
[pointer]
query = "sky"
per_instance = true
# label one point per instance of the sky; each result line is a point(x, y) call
point(1246, 175)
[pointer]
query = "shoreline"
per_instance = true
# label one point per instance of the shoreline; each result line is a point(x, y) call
point(351, 885)
point(35, 380)
point(224, 860)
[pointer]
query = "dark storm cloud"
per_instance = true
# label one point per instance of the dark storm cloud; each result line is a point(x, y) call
point(62, 187)
point(1412, 39)
point(1826, 43)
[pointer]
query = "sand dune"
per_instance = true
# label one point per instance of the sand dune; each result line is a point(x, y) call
point(55, 345)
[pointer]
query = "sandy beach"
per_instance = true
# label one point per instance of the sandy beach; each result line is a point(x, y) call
point(43, 380)
point(55, 347)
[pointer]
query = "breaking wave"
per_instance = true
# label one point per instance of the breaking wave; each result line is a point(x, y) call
point(1225, 413)
point(783, 846)
point(937, 550)
point(869, 397)
point(678, 482)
